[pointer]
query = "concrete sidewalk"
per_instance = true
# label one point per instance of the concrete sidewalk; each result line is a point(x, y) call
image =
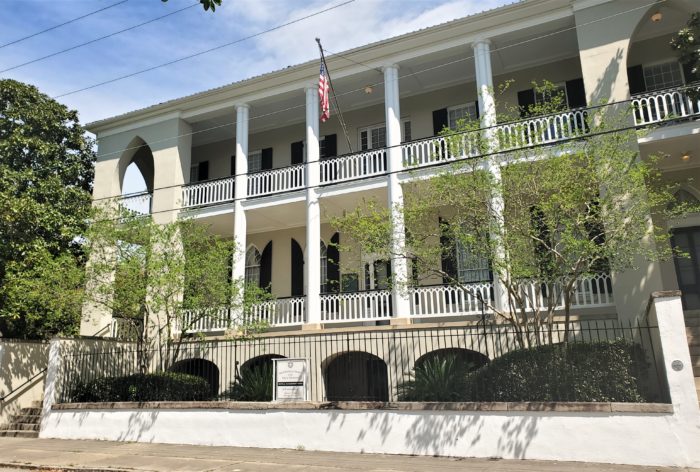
point(98, 456)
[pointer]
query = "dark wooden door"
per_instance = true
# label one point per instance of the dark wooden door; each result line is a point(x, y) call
point(688, 268)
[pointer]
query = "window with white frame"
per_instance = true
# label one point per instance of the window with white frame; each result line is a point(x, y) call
point(460, 112)
point(470, 267)
point(254, 161)
point(547, 96)
point(374, 137)
point(663, 75)
point(252, 266)
point(324, 267)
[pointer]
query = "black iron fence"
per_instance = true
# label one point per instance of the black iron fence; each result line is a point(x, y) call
point(602, 360)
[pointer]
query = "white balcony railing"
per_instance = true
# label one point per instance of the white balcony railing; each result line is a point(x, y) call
point(207, 192)
point(138, 203)
point(280, 312)
point(352, 166)
point(446, 300)
point(590, 292)
point(541, 130)
point(356, 306)
point(427, 151)
point(276, 180)
point(664, 105)
point(213, 320)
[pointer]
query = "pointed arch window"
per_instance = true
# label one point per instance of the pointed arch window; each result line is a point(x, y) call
point(252, 266)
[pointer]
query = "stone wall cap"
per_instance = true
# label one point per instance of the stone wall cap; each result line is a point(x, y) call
point(666, 294)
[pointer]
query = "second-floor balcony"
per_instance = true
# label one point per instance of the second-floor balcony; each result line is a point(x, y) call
point(647, 109)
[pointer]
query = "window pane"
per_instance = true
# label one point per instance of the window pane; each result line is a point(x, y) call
point(471, 268)
point(463, 112)
point(255, 161)
point(661, 76)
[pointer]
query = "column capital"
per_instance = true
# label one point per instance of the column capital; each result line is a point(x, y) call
point(481, 42)
point(392, 66)
point(241, 106)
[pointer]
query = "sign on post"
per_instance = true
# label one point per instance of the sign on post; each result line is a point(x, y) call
point(291, 380)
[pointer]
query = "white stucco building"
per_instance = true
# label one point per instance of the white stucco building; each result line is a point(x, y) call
point(252, 161)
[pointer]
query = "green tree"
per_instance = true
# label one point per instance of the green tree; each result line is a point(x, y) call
point(46, 171)
point(556, 215)
point(687, 43)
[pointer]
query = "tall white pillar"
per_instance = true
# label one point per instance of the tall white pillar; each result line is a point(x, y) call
point(399, 270)
point(312, 269)
point(240, 191)
point(487, 109)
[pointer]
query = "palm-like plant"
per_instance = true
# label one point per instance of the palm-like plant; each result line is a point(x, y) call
point(438, 379)
point(251, 385)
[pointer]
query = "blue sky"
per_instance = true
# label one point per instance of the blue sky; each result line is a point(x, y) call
point(188, 32)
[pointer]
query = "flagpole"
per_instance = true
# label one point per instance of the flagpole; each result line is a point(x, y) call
point(335, 98)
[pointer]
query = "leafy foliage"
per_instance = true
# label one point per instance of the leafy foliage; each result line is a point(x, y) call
point(46, 172)
point(252, 384)
point(438, 379)
point(687, 43)
point(606, 371)
point(162, 386)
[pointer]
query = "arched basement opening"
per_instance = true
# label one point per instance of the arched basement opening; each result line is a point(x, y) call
point(470, 360)
point(200, 368)
point(356, 376)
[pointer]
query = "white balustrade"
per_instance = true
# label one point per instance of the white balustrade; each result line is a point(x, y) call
point(139, 203)
point(279, 312)
point(356, 306)
point(431, 150)
point(448, 300)
point(665, 105)
point(590, 292)
point(541, 130)
point(207, 192)
point(352, 166)
point(212, 320)
point(276, 180)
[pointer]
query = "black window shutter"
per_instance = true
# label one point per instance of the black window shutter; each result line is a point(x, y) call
point(266, 159)
point(526, 98)
point(298, 152)
point(635, 79)
point(203, 170)
point(333, 267)
point(576, 93)
point(476, 107)
point(439, 120)
point(331, 146)
point(448, 254)
point(297, 269)
point(266, 267)
point(233, 165)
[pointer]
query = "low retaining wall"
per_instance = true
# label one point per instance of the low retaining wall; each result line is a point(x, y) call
point(643, 434)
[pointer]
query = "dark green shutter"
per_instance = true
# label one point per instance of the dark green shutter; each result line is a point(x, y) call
point(266, 267)
point(330, 144)
point(266, 160)
point(448, 253)
point(439, 120)
point(297, 269)
point(576, 93)
point(635, 79)
point(526, 99)
point(298, 152)
point(476, 107)
point(333, 265)
point(203, 170)
point(233, 165)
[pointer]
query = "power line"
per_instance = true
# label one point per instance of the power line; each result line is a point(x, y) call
point(381, 82)
point(62, 24)
point(92, 41)
point(190, 56)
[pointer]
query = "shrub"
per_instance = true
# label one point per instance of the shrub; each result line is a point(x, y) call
point(589, 372)
point(438, 379)
point(161, 386)
point(251, 385)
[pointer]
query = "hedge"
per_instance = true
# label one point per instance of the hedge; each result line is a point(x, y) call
point(606, 371)
point(162, 386)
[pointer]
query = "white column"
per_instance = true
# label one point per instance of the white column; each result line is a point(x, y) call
point(240, 191)
point(399, 270)
point(312, 270)
point(487, 111)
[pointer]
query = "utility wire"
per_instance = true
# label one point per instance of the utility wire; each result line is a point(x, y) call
point(62, 24)
point(294, 107)
point(335, 97)
point(92, 41)
point(190, 56)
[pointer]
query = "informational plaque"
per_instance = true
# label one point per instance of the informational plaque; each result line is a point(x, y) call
point(290, 380)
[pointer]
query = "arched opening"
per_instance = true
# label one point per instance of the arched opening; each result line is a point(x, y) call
point(356, 376)
point(200, 368)
point(136, 175)
point(466, 359)
point(259, 362)
point(252, 266)
point(253, 380)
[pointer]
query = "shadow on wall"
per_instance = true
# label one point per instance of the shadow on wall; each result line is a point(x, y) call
point(21, 377)
point(604, 87)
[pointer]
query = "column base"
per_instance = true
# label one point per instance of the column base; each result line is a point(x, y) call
point(402, 321)
point(311, 327)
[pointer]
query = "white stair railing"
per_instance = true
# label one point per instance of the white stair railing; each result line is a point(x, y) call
point(276, 180)
point(138, 203)
point(664, 105)
point(356, 306)
point(280, 312)
point(207, 192)
point(447, 300)
point(352, 166)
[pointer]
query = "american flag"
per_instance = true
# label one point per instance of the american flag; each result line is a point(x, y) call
point(323, 93)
